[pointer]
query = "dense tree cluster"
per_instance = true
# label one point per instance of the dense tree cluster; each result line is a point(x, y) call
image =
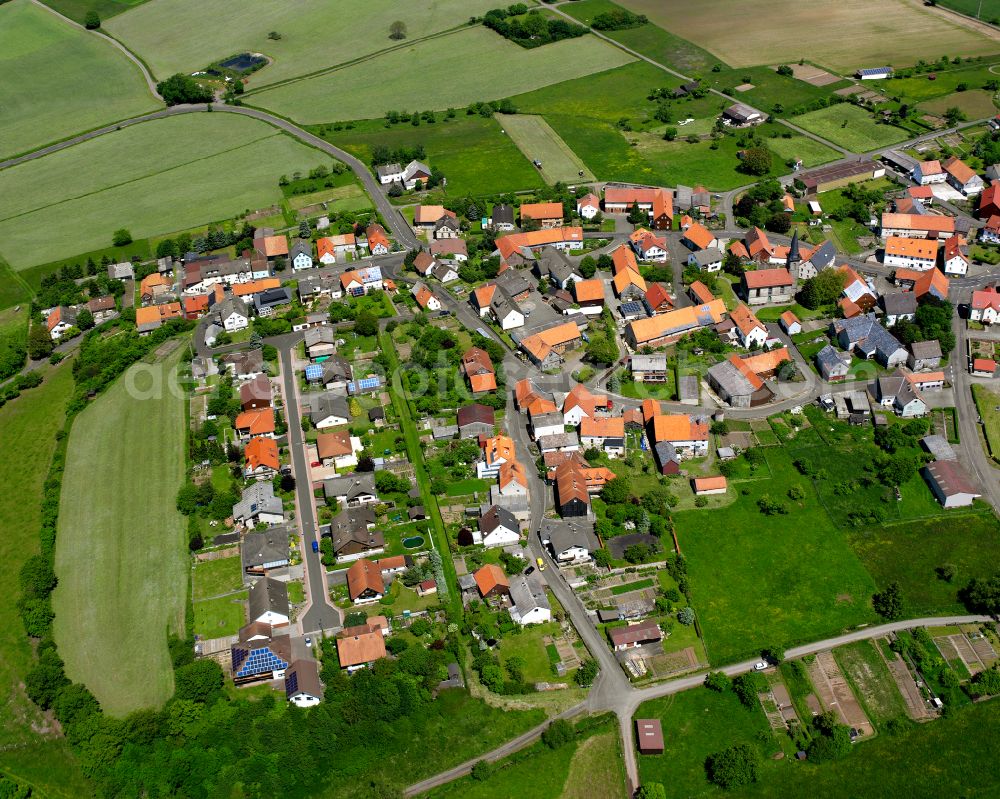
point(617, 19)
point(179, 89)
point(530, 28)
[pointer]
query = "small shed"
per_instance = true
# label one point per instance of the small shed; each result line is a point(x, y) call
point(649, 736)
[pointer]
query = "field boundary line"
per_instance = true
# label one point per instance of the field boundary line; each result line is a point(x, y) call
point(141, 177)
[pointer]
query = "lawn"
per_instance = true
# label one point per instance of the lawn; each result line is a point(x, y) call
point(77, 81)
point(473, 154)
point(981, 9)
point(975, 103)
point(527, 644)
point(650, 40)
point(214, 577)
point(536, 139)
point(120, 554)
point(29, 427)
point(862, 31)
point(180, 36)
point(618, 590)
point(454, 728)
point(909, 554)
point(871, 681)
point(810, 151)
point(696, 724)
point(77, 9)
point(770, 88)
point(919, 87)
point(207, 167)
point(757, 579)
point(437, 72)
point(944, 758)
point(222, 616)
point(987, 403)
point(850, 127)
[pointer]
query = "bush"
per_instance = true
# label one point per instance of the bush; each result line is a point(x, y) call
point(482, 771)
point(734, 767)
point(587, 673)
point(558, 733)
point(92, 21)
point(717, 681)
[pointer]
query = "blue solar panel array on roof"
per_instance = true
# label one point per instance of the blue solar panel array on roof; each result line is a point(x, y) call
point(314, 371)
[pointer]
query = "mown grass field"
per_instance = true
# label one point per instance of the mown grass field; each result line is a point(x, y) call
point(850, 127)
point(866, 33)
point(650, 40)
point(206, 167)
point(29, 426)
point(60, 80)
point(214, 577)
point(809, 150)
point(470, 150)
point(696, 724)
point(536, 139)
point(757, 579)
point(180, 36)
point(975, 103)
point(928, 761)
point(215, 618)
point(120, 554)
point(77, 9)
point(910, 553)
point(437, 75)
point(986, 9)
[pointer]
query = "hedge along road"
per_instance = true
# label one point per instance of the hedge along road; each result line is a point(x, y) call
point(397, 225)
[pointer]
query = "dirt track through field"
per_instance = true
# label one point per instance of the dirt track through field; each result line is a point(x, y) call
point(836, 694)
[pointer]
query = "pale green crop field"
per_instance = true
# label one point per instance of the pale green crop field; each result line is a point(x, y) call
point(152, 178)
point(185, 36)
point(536, 139)
point(120, 554)
point(453, 71)
point(56, 80)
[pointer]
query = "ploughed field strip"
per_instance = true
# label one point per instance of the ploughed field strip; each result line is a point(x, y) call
point(835, 694)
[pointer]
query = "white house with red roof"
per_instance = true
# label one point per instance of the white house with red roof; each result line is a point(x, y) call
point(927, 172)
point(588, 206)
point(954, 257)
point(985, 306)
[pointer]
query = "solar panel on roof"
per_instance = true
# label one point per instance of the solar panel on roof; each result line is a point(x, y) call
point(314, 370)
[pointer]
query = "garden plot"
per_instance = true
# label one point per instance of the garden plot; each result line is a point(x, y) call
point(835, 694)
point(915, 705)
point(957, 646)
point(813, 75)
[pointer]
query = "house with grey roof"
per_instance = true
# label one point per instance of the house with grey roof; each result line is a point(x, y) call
point(265, 550)
point(570, 540)
point(833, 364)
point(337, 373)
point(232, 314)
point(514, 283)
point(737, 387)
point(389, 173)
point(869, 339)
point(447, 227)
point(502, 217)
point(122, 271)
point(649, 368)
point(551, 263)
point(530, 604)
point(708, 260)
point(924, 355)
point(268, 602)
point(320, 341)
point(300, 255)
point(899, 305)
point(328, 410)
point(352, 490)
point(506, 311)
point(559, 442)
point(259, 505)
point(897, 392)
point(265, 302)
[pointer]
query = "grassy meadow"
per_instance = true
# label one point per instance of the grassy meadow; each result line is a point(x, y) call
point(862, 28)
point(871, 681)
point(180, 36)
point(536, 139)
point(437, 75)
point(473, 154)
point(61, 80)
point(120, 556)
point(77, 10)
point(29, 749)
point(850, 127)
point(206, 167)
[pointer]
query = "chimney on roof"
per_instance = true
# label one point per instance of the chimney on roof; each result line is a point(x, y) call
point(793, 249)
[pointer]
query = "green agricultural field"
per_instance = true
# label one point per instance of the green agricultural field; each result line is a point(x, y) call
point(214, 577)
point(180, 36)
point(987, 402)
point(920, 87)
point(975, 104)
point(70, 81)
point(928, 761)
point(911, 553)
point(650, 40)
point(207, 167)
point(863, 31)
point(473, 154)
point(872, 682)
point(536, 139)
point(797, 146)
point(527, 644)
point(436, 75)
point(219, 617)
point(696, 724)
point(988, 10)
point(77, 9)
point(757, 579)
point(120, 554)
point(770, 88)
point(850, 127)
point(29, 426)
